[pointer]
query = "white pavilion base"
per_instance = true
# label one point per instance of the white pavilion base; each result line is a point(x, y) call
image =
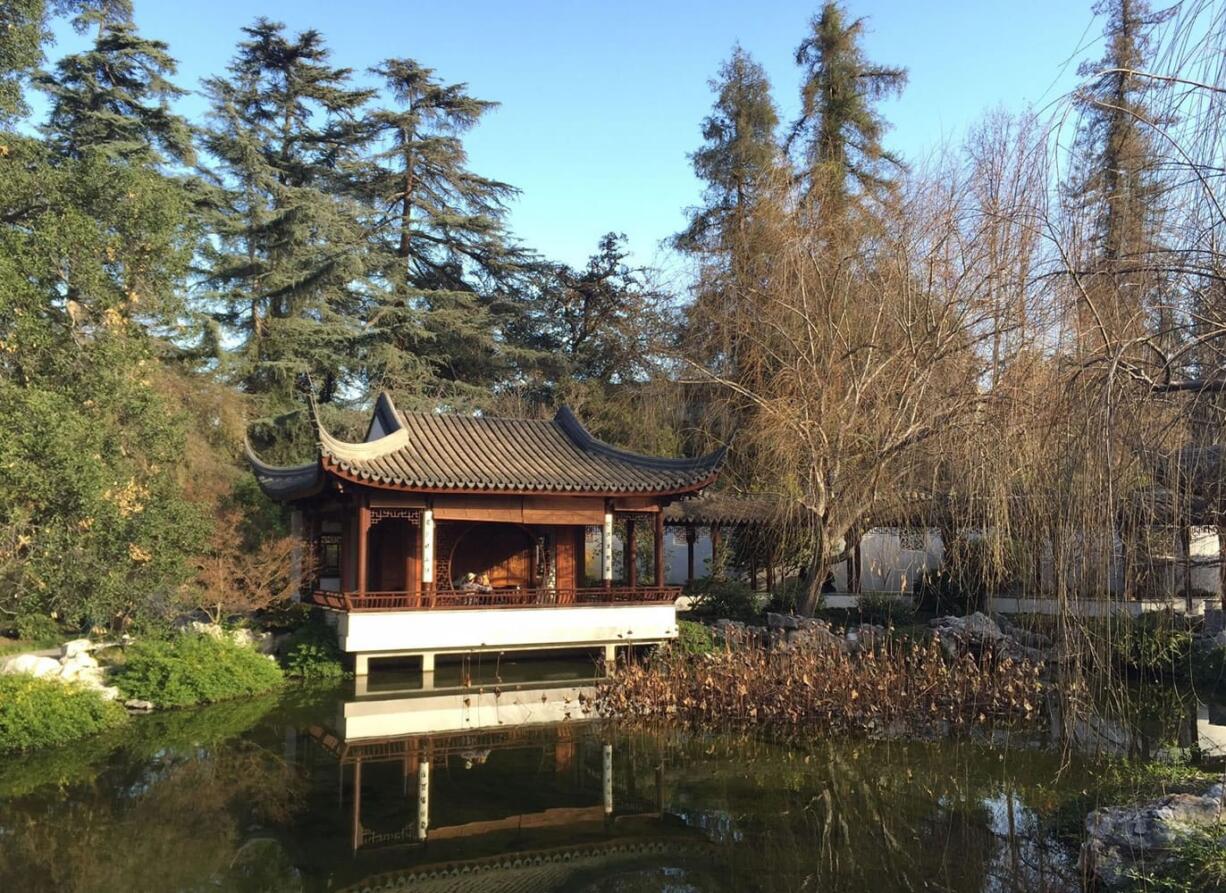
point(382, 634)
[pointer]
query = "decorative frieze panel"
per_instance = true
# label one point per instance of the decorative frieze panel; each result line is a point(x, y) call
point(413, 516)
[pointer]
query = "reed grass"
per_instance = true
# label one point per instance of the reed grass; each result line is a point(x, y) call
point(894, 688)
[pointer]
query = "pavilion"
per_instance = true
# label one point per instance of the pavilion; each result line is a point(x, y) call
point(397, 524)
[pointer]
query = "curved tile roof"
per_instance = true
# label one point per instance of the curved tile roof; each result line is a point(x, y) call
point(457, 453)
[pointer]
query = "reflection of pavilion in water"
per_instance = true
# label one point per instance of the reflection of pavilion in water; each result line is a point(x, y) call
point(514, 783)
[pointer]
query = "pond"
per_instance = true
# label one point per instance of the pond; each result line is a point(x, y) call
point(498, 778)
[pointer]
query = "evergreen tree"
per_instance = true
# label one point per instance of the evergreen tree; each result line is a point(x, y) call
point(23, 30)
point(447, 270)
point(740, 162)
point(599, 336)
point(114, 99)
point(740, 152)
point(287, 263)
point(1119, 181)
point(839, 129)
point(94, 522)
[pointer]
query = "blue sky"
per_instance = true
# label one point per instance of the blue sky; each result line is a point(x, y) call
point(601, 102)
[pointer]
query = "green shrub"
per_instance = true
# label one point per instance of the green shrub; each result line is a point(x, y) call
point(1196, 862)
point(694, 638)
point(195, 669)
point(39, 629)
point(946, 591)
point(886, 608)
point(1155, 643)
point(314, 653)
point(717, 598)
point(44, 712)
point(788, 595)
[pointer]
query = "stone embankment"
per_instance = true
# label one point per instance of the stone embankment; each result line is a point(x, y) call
point(74, 664)
point(957, 636)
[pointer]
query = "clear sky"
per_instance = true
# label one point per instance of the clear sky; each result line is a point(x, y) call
point(602, 101)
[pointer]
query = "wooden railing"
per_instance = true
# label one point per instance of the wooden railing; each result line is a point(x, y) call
point(459, 599)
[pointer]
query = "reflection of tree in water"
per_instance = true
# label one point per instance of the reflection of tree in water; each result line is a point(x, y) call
point(177, 822)
point(860, 816)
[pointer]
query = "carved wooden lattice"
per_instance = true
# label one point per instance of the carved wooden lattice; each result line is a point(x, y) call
point(413, 516)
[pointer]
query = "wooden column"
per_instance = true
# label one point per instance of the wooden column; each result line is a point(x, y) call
point(363, 537)
point(770, 572)
point(659, 549)
point(1221, 563)
point(631, 555)
point(1185, 541)
point(753, 574)
point(717, 564)
point(690, 535)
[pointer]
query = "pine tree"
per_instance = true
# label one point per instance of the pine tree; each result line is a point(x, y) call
point(1119, 182)
point(447, 269)
point(597, 337)
point(839, 129)
point(741, 164)
point(114, 99)
point(739, 154)
point(287, 266)
point(23, 31)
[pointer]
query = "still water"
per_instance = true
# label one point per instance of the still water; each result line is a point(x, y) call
point(497, 778)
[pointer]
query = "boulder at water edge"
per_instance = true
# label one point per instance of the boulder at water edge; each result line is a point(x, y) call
point(1120, 837)
point(32, 665)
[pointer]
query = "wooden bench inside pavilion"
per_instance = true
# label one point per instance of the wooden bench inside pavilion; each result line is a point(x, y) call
point(453, 534)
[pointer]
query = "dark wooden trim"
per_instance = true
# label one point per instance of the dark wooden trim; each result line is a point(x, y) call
point(339, 472)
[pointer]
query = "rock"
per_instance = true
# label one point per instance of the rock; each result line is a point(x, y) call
point(199, 628)
point(981, 626)
point(782, 621)
point(1219, 641)
point(108, 692)
point(32, 665)
point(75, 647)
point(71, 667)
point(136, 705)
point(1118, 837)
point(261, 642)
